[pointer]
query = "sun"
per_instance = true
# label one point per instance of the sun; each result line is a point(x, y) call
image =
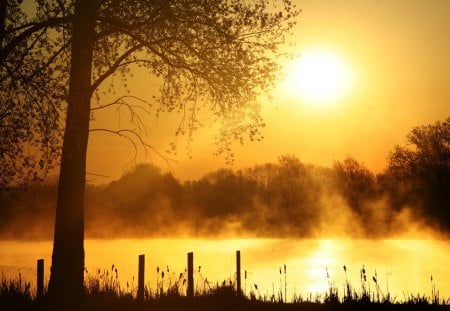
point(317, 77)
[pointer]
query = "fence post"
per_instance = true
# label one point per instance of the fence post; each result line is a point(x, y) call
point(190, 271)
point(40, 278)
point(140, 291)
point(238, 273)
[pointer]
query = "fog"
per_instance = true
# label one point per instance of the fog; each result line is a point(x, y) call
point(276, 200)
point(285, 199)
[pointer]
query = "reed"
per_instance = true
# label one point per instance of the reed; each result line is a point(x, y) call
point(15, 291)
point(104, 291)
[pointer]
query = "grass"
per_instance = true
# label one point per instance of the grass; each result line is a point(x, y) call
point(105, 292)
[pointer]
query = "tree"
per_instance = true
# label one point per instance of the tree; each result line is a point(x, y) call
point(355, 182)
point(419, 173)
point(357, 186)
point(219, 55)
point(30, 96)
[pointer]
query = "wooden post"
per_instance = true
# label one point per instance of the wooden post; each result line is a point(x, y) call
point(190, 271)
point(238, 273)
point(140, 291)
point(40, 278)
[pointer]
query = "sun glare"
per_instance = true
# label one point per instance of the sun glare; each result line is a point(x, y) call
point(317, 77)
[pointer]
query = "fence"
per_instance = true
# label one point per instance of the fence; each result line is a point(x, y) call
point(141, 276)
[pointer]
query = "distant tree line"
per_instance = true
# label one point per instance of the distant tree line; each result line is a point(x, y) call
point(287, 198)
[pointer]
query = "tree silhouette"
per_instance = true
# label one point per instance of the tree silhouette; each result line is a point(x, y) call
point(419, 173)
point(355, 182)
point(219, 55)
point(30, 97)
point(357, 185)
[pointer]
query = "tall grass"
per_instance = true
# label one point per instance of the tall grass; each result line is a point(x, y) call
point(15, 292)
point(104, 291)
point(374, 294)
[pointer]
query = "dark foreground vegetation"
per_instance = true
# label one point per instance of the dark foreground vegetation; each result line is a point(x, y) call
point(288, 198)
point(105, 293)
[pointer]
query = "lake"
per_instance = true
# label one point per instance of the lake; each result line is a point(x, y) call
point(401, 267)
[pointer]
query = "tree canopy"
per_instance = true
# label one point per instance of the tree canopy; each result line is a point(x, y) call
point(420, 170)
point(33, 86)
point(216, 55)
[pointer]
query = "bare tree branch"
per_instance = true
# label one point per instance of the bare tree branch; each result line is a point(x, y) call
point(135, 116)
point(97, 175)
point(134, 138)
point(120, 101)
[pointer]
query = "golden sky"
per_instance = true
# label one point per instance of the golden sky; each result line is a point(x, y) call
point(395, 53)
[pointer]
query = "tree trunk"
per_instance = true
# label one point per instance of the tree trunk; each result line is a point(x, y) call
point(3, 7)
point(66, 288)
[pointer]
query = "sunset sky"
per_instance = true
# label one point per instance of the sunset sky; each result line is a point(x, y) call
point(386, 68)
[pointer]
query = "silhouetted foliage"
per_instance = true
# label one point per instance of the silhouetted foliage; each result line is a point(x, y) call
point(358, 187)
point(31, 96)
point(287, 198)
point(143, 197)
point(419, 173)
point(33, 204)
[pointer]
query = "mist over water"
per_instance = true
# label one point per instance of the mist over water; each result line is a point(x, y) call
point(288, 199)
point(402, 267)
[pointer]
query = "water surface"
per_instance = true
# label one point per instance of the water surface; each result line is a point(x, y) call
point(401, 267)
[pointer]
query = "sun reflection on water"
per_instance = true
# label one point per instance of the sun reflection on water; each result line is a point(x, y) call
point(312, 266)
point(316, 266)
